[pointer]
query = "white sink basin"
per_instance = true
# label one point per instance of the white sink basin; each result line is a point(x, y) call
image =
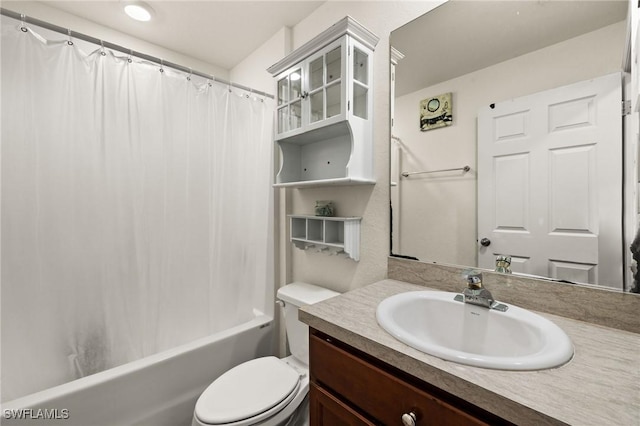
point(434, 323)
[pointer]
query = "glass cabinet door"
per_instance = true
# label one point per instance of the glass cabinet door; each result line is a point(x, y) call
point(325, 85)
point(360, 83)
point(316, 94)
point(290, 101)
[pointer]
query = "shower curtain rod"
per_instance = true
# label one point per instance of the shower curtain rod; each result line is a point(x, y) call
point(112, 46)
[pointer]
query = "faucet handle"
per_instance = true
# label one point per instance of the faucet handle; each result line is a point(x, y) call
point(473, 279)
point(474, 282)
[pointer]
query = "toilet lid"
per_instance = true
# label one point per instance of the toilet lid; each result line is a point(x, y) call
point(248, 390)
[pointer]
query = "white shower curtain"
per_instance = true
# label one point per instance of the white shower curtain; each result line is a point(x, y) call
point(135, 209)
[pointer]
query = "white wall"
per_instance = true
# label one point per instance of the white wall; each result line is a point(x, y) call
point(438, 214)
point(63, 19)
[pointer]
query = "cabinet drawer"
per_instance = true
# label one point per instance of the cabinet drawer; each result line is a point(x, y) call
point(382, 395)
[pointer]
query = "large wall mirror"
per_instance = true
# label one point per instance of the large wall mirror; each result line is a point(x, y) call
point(507, 138)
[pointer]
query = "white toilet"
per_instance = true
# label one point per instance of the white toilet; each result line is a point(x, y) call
point(266, 391)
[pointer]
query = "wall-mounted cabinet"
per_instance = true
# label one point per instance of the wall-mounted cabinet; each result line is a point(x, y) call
point(333, 235)
point(324, 109)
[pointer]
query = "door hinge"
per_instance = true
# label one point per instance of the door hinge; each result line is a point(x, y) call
point(626, 107)
point(348, 105)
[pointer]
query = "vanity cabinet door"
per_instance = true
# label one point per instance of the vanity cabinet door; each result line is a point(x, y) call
point(327, 410)
point(378, 393)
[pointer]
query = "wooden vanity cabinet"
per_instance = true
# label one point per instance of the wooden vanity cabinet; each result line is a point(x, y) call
point(351, 388)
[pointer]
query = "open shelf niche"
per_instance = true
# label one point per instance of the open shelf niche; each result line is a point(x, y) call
point(332, 235)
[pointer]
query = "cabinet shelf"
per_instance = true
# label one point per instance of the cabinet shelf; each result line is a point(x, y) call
point(326, 182)
point(333, 235)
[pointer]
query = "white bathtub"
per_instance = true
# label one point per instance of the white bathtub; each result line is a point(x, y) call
point(158, 390)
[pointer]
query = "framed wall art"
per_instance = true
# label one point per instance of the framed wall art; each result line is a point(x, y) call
point(436, 112)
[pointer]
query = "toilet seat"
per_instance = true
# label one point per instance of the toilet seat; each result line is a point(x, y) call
point(248, 393)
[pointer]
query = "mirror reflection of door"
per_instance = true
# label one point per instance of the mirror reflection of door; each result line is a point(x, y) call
point(495, 51)
point(548, 178)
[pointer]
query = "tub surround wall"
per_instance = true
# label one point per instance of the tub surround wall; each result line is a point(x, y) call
point(603, 307)
point(596, 387)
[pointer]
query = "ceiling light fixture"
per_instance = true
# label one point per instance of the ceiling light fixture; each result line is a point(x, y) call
point(138, 10)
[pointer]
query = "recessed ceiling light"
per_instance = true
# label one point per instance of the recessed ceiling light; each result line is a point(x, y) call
point(139, 11)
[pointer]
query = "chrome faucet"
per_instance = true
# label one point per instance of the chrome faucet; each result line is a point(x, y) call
point(503, 264)
point(476, 294)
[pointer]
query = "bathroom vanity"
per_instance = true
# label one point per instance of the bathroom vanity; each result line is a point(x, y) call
point(371, 390)
point(362, 375)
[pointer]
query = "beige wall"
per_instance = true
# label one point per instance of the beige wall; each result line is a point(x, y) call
point(370, 202)
point(252, 71)
point(449, 201)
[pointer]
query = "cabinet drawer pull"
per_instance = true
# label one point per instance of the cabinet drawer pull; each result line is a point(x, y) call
point(409, 419)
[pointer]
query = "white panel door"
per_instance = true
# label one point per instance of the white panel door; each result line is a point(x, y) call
point(549, 182)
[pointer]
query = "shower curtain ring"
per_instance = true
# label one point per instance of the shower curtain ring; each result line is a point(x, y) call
point(23, 26)
point(161, 65)
point(69, 42)
point(129, 57)
point(190, 74)
point(102, 52)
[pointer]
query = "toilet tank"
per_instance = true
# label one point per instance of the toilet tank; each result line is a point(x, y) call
point(295, 295)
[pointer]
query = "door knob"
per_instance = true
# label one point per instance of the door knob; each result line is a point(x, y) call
point(485, 242)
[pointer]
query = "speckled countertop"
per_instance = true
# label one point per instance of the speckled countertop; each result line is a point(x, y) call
point(599, 386)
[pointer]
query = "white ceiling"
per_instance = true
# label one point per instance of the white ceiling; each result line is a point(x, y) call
point(221, 33)
point(464, 36)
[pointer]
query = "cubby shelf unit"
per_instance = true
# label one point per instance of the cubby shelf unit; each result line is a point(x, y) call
point(332, 235)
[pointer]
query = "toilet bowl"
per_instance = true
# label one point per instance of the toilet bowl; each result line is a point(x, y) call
point(266, 391)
